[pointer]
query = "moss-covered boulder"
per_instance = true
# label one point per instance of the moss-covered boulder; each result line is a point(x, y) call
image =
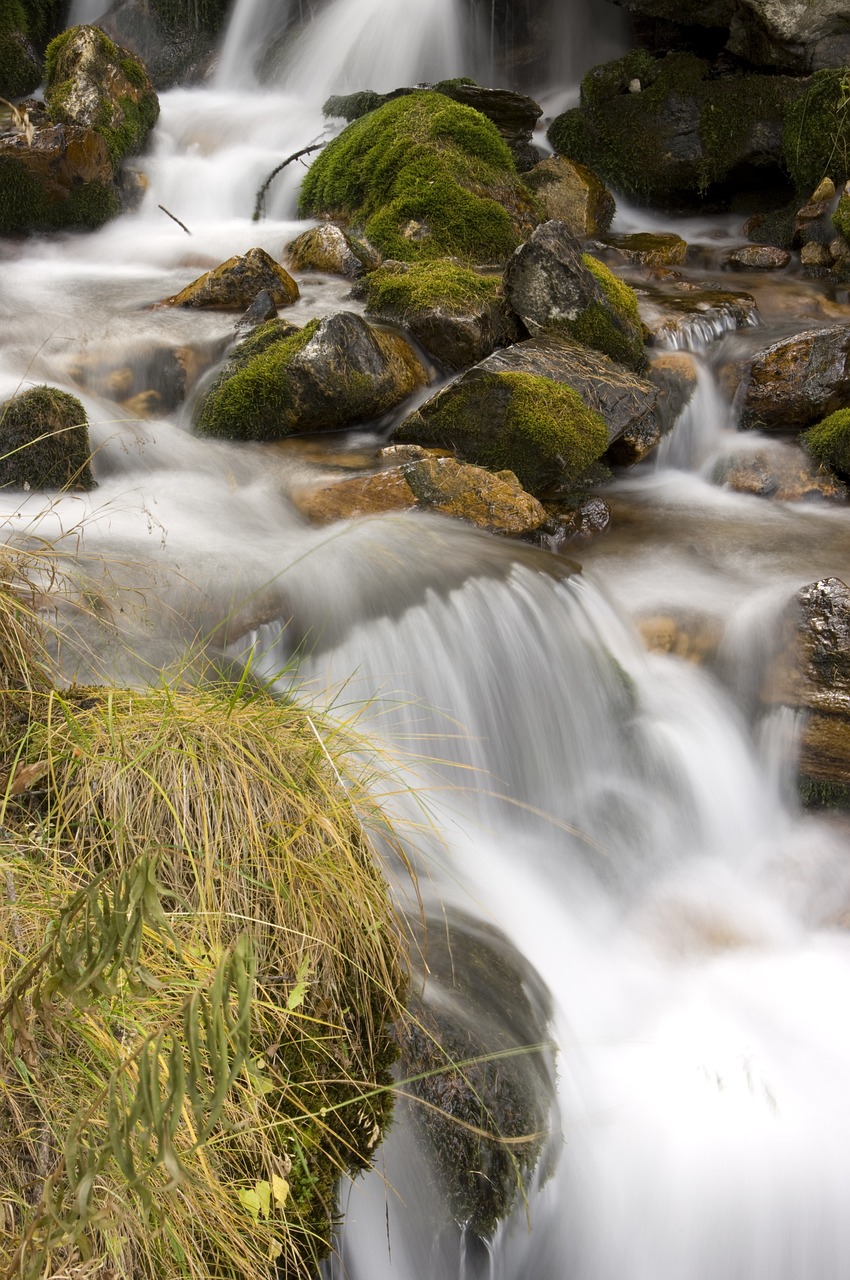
point(545, 409)
point(458, 315)
point(425, 178)
point(556, 288)
point(331, 374)
point(44, 442)
point(234, 284)
point(515, 115)
point(94, 83)
point(794, 382)
point(62, 178)
point(687, 136)
point(573, 194)
point(328, 248)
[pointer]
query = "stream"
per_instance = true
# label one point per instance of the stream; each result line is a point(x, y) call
point(623, 820)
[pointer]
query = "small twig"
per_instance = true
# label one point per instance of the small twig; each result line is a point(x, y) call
point(261, 194)
point(173, 219)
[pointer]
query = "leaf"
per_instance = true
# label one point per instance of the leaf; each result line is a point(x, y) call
point(251, 1201)
point(299, 991)
point(257, 1200)
point(280, 1190)
point(264, 1193)
point(275, 1249)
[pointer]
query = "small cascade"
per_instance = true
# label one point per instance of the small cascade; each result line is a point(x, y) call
point(701, 427)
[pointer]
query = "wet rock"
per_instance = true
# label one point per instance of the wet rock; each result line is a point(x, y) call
point(648, 250)
point(44, 442)
point(571, 193)
point(235, 284)
point(94, 83)
point(328, 248)
point(356, 497)
point(263, 308)
point(779, 471)
point(62, 178)
point(796, 381)
point(759, 257)
point(333, 373)
point(514, 114)
point(811, 674)
point(458, 315)
point(469, 1051)
point(814, 254)
point(576, 521)
point(148, 378)
point(686, 315)
point(545, 409)
point(556, 288)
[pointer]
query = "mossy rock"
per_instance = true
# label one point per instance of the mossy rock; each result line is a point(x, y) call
point(63, 179)
point(828, 441)
point(841, 217)
point(20, 66)
point(92, 82)
point(331, 374)
point(234, 284)
point(425, 178)
point(690, 136)
point(458, 315)
point(816, 137)
point(44, 437)
point(555, 288)
point(539, 429)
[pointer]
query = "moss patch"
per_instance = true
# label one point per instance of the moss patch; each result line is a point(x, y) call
point(19, 70)
point(829, 441)
point(428, 286)
point(426, 178)
point(816, 138)
point(24, 203)
point(44, 442)
point(250, 399)
point(538, 428)
point(615, 328)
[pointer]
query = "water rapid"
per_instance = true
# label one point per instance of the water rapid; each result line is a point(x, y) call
point(623, 822)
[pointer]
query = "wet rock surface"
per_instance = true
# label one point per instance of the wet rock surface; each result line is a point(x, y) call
point(329, 248)
point(236, 283)
point(796, 381)
point(571, 193)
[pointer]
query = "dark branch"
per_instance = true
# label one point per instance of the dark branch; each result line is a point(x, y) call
point(261, 194)
point(173, 219)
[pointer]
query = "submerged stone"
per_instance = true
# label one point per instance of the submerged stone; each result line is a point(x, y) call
point(649, 250)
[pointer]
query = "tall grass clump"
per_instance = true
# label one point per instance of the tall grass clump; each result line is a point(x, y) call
point(199, 967)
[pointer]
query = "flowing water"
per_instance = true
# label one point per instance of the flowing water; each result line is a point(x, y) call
point(623, 821)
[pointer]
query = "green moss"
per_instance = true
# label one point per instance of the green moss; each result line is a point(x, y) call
point(136, 119)
point(828, 441)
point(24, 205)
point(614, 328)
point(19, 70)
point(351, 106)
point(841, 218)
point(816, 138)
point(250, 398)
point(182, 16)
point(44, 442)
point(426, 178)
point(426, 286)
point(538, 428)
point(815, 794)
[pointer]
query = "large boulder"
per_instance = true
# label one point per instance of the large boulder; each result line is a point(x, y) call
point(44, 442)
point(93, 83)
point(234, 284)
point(514, 114)
point(545, 409)
point(556, 288)
point(667, 131)
point(424, 178)
point(796, 381)
point(458, 315)
point(333, 373)
point(176, 42)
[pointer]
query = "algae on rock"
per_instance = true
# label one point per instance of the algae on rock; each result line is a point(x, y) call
point(425, 178)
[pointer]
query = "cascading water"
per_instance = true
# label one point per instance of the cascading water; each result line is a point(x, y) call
point(621, 819)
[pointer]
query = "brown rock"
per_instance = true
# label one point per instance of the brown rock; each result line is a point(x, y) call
point(52, 181)
point(360, 496)
point(796, 381)
point(759, 257)
point(235, 284)
point(328, 248)
point(815, 254)
point(779, 471)
point(648, 250)
point(573, 194)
